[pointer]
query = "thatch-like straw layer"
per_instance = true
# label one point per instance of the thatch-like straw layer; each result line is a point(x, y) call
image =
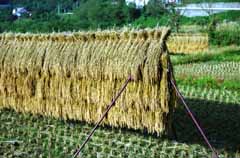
point(74, 76)
point(187, 43)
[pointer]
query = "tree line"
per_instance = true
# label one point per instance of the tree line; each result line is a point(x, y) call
point(50, 15)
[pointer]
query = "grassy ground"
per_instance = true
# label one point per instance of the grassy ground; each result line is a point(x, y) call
point(33, 136)
point(214, 54)
point(24, 135)
point(215, 104)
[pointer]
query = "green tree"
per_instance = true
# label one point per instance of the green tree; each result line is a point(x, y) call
point(104, 13)
point(133, 12)
point(174, 17)
point(154, 8)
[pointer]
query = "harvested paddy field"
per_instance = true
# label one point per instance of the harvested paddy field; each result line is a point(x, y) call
point(26, 135)
point(219, 70)
point(215, 103)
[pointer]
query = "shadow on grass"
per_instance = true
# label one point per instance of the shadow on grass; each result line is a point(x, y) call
point(220, 121)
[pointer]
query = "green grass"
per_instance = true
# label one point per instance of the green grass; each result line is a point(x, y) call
point(208, 93)
point(209, 82)
point(34, 136)
point(214, 55)
point(215, 70)
point(220, 71)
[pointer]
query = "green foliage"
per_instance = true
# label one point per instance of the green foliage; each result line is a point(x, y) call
point(46, 5)
point(213, 55)
point(221, 71)
point(228, 16)
point(5, 14)
point(155, 13)
point(217, 69)
point(227, 36)
point(174, 17)
point(90, 14)
point(205, 81)
point(103, 14)
point(222, 32)
point(22, 25)
point(233, 85)
point(151, 22)
point(154, 8)
point(208, 82)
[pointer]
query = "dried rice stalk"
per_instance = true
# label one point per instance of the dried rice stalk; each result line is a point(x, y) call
point(74, 76)
point(187, 43)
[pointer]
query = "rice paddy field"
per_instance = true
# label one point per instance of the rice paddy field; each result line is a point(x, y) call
point(187, 43)
point(210, 83)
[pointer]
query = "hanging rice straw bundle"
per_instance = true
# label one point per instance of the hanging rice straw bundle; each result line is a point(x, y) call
point(75, 75)
point(187, 43)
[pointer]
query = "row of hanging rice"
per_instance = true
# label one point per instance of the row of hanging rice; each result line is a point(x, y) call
point(75, 75)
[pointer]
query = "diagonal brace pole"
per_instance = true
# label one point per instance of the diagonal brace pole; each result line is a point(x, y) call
point(103, 116)
point(215, 154)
